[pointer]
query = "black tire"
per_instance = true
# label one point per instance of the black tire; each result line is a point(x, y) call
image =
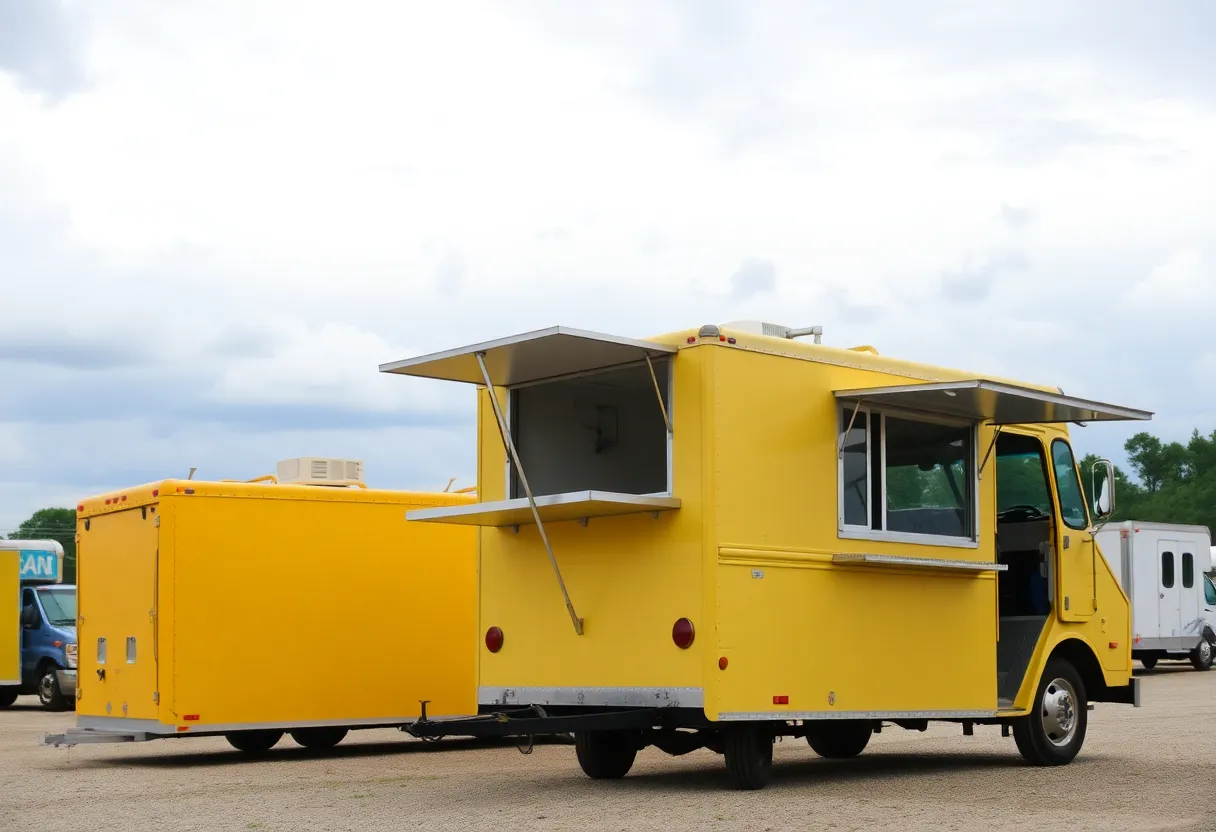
point(1054, 731)
point(322, 738)
point(253, 742)
point(606, 755)
point(1201, 656)
point(49, 694)
point(1148, 662)
point(8, 695)
point(840, 740)
point(749, 756)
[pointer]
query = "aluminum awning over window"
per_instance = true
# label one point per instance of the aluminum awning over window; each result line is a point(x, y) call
point(991, 402)
point(530, 357)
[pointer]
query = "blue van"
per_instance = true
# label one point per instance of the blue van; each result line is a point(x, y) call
point(48, 628)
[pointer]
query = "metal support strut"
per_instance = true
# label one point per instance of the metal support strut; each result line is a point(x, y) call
point(995, 435)
point(844, 437)
point(659, 393)
point(505, 432)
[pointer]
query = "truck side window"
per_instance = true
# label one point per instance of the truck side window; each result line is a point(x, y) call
point(1068, 484)
point(1188, 570)
point(1209, 590)
point(1167, 570)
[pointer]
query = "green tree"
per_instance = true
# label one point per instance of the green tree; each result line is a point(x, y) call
point(53, 524)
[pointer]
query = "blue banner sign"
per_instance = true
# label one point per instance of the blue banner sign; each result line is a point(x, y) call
point(40, 565)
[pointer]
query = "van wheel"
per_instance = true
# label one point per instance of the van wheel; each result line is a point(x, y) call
point(605, 755)
point(48, 690)
point(1148, 662)
point(253, 742)
point(749, 756)
point(1052, 733)
point(1201, 656)
point(319, 738)
point(8, 695)
point(840, 741)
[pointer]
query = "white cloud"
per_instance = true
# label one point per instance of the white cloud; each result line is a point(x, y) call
point(230, 212)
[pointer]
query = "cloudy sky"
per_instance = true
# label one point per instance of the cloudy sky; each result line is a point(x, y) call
point(217, 218)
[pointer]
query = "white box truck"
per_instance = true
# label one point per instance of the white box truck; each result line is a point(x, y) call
point(1163, 568)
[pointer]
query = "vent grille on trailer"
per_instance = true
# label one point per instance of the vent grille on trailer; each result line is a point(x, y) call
point(310, 470)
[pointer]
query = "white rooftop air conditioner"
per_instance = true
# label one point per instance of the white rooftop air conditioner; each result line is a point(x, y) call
point(316, 470)
point(775, 330)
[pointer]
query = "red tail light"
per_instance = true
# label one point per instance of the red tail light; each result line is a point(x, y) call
point(494, 639)
point(683, 633)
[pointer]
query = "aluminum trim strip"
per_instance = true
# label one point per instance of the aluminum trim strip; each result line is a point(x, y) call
point(742, 716)
point(931, 563)
point(614, 696)
point(150, 726)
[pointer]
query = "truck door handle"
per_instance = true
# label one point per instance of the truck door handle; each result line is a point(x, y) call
point(101, 675)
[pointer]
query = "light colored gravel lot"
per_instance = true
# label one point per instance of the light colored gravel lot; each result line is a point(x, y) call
point(1151, 768)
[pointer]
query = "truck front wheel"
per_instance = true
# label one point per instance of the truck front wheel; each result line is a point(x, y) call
point(749, 756)
point(1201, 656)
point(253, 742)
point(1053, 732)
point(49, 694)
point(318, 738)
point(605, 755)
point(8, 695)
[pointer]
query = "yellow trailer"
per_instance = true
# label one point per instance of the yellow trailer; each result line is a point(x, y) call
point(719, 536)
point(299, 604)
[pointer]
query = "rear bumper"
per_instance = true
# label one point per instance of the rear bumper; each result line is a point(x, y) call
point(67, 682)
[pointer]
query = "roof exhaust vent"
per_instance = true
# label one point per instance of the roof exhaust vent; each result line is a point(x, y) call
point(312, 470)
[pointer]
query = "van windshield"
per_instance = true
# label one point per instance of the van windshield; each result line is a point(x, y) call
point(1209, 590)
point(59, 606)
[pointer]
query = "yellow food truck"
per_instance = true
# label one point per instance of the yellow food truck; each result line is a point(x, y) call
point(716, 537)
point(297, 603)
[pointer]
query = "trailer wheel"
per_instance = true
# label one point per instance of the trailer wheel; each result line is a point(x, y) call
point(605, 755)
point(253, 742)
point(319, 738)
point(1148, 662)
point(1201, 656)
point(49, 694)
point(8, 695)
point(840, 740)
point(749, 756)
point(1052, 733)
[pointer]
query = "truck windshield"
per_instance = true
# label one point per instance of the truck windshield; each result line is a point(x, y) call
point(59, 605)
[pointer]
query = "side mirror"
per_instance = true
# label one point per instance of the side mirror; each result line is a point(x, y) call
point(29, 617)
point(1103, 485)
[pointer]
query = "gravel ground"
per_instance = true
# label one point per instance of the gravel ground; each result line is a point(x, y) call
point(1147, 768)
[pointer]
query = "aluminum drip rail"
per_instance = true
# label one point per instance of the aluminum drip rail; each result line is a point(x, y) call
point(509, 444)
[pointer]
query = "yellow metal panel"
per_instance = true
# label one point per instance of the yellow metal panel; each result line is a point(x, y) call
point(630, 577)
point(289, 604)
point(10, 617)
point(835, 638)
point(117, 601)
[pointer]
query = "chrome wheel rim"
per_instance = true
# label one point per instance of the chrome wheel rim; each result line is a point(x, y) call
point(1205, 651)
point(1059, 712)
point(46, 688)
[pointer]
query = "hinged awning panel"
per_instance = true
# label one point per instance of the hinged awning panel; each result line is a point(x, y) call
point(993, 402)
point(552, 508)
point(532, 356)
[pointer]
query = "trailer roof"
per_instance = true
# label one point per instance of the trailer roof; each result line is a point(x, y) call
point(996, 403)
point(532, 356)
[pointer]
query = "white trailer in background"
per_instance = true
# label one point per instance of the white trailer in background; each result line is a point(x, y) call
point(1163, 568)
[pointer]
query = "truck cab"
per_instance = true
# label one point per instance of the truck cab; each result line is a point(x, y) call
point(42, 639)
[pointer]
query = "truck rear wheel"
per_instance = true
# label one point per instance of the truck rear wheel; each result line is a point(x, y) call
point(253, 742)
point(749, 756)
point(318, 738)
point(8, 695)
point(839, 740)
point(1201, 656)
point(49, 694)
point(1053, 732)
point(605, 755)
